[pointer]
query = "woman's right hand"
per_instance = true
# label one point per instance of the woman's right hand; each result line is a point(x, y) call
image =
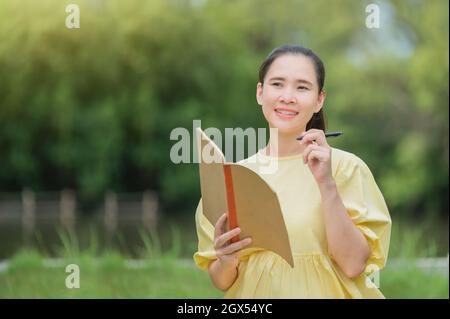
point(226, 251)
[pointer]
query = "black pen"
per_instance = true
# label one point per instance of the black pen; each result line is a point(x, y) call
point(329, 134)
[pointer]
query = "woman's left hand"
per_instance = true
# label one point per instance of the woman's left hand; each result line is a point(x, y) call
point(317, 155)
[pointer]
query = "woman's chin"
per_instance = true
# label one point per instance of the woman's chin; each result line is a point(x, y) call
point(286, 128)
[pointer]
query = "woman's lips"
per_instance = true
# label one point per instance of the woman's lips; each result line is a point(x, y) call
point(285, 115)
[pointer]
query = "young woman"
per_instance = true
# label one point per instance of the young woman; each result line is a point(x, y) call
point(336, 217)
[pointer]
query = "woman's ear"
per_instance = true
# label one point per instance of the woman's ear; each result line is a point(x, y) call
point(320, 101)
point(259, 93)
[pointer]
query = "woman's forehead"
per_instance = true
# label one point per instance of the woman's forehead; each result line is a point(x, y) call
point(292, 67)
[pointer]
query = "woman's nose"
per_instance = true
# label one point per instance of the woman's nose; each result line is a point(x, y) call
point(287, 97)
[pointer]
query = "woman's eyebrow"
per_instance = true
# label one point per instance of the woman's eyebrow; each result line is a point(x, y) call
point(283, 79)
point(304, 81)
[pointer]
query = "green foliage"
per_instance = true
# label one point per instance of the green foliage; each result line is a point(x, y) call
point(413, 283)
point(108, 276)
point(92, 108)
point(108, 273)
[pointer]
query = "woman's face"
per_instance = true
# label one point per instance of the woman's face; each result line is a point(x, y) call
point(290, 94)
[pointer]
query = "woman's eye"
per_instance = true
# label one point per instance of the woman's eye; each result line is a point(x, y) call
point(302, 87)
point(276, 84)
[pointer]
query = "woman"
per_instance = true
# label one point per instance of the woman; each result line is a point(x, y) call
point(336, 217)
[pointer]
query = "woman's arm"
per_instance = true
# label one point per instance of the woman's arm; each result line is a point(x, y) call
point(222, 276)
point(224, 270)
point(346, 243)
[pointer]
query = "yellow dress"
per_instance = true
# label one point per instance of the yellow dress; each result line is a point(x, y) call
point(263, 274)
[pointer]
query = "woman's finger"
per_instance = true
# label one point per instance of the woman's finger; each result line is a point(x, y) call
point(227, 250)
point(319, 155)
point(218, 229)
point(222, 239)
point(314, 135)
point(309, 149)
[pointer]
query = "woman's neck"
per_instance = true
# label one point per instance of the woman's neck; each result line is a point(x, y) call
point(282, 145)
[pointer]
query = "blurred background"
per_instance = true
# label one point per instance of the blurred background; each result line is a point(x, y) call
point(86, 114)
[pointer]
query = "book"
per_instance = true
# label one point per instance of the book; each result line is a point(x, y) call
point(251, 204)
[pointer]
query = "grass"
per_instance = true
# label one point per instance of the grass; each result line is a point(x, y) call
point(413, 283)
point(163, 274)
point(103, 277)
point(409, 241)
point(422, 238)
point(106, 274)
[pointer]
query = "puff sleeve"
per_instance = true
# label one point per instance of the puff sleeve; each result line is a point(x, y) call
point(205, 234)
point(366, 207)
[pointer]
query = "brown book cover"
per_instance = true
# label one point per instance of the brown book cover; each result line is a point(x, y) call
point(250, 202)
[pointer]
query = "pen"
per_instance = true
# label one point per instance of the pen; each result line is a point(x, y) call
point(329, 134)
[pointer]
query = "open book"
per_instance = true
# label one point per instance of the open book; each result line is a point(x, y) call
point(250, 202)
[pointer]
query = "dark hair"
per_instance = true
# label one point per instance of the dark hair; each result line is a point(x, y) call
point(318, 120)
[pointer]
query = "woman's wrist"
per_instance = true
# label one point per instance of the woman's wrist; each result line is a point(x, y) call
point(227, 265)
point(327, 187)
point(223, 275)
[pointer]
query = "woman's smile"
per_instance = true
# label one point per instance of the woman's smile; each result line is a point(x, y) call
point(285, 113)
